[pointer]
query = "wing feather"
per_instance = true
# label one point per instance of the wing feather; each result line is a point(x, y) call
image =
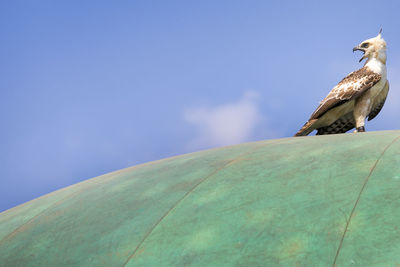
point(347, 89)
point(341, 125)
point(379, 104)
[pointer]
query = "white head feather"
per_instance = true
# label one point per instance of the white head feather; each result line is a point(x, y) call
point(373, 48)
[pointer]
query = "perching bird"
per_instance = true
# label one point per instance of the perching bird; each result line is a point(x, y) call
point(359, 95)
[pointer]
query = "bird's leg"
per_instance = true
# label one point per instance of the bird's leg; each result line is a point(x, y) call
point(362, 108)
point(359, 117)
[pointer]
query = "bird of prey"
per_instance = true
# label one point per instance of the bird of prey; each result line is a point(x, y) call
point(360, 95)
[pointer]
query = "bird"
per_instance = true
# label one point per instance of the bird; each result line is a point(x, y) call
point(358, 96)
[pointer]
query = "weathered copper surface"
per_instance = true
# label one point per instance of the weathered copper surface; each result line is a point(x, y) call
point(306, 201)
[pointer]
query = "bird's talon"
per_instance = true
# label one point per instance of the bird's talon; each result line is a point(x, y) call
point(360, 129)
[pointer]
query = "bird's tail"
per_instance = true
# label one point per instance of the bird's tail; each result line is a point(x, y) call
point(307, 128)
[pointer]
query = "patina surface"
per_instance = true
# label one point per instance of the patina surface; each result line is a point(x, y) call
point(306, 201)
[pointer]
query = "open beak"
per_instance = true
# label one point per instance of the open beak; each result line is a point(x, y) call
point(358, 48)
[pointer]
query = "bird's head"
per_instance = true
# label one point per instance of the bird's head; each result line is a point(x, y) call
point(373, 48)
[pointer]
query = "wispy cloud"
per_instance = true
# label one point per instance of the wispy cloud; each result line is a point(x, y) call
point(226, 124)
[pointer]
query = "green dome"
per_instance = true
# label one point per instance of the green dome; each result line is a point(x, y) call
point(306, 201)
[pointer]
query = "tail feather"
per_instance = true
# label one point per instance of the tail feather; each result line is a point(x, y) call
point(307, 128)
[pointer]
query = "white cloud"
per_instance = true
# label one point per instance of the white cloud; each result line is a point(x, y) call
point(225, 124)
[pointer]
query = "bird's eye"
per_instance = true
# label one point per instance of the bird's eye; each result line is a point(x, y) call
point(365, 45)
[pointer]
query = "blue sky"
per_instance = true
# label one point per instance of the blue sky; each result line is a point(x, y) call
point(89, 87)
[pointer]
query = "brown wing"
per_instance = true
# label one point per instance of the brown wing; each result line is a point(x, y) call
point(350, 87)
point(341, 125)
point(379, 103)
